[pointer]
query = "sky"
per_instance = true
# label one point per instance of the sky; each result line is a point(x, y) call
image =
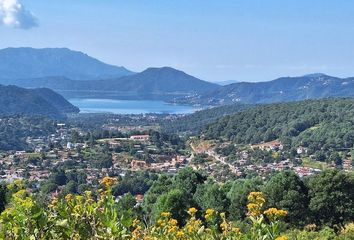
point(215, 40)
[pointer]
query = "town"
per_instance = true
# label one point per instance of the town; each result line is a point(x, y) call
point(117, 149)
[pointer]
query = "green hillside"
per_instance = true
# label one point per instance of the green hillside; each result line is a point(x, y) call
point(318, 124)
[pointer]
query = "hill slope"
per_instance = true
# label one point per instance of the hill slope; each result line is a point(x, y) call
point(153, 83)
point(319, 124)
point(17, 63)
point(16, 100)
point(285, 89)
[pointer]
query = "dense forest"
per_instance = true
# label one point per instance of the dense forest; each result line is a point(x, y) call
point(195, 122)
point(317, 124)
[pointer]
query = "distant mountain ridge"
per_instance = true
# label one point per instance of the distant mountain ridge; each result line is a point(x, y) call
point(17, 63)
point(154, 83)
point(286, 89)
point(40, 101)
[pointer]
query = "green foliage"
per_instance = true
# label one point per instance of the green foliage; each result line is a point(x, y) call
point(316, 124)
point(134, 183)
point(286, 191)
point(211, 195)
point(158, 188)
point(331, 198)
point(174, 201)
point(195, 122)
point(238, 196)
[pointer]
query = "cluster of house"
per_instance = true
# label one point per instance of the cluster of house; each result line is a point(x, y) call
point(166, 166)
point(273, 145)
point(243, 164)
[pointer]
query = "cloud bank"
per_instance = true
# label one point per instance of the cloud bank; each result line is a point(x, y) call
point(14, 14)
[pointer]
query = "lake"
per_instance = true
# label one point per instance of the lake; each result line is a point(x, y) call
point(129, 106)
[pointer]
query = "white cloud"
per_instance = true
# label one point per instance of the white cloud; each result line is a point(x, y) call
point(14, 14)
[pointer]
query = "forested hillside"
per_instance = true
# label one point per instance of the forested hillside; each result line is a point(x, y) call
point(195, 122)
point(15, 129)
point(41, 101)
point(318, 124)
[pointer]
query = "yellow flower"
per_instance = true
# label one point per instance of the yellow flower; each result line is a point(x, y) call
point(108, 181)
point(222, 215)
point(236, 230)
point(54, 202)
point(136, 222)
point(166, 214)
point(282, 238)
point(192, 211)
point(160, 222)
point(69, 197)
point(256, 197)
point(223, 226)
point(172, 229)
point(271, 212)
point(180, 233)
point(21, 193)
point(252, 206)
point(172, 222)
point(209, 213)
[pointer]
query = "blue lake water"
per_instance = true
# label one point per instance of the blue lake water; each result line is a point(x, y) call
point(129, 106)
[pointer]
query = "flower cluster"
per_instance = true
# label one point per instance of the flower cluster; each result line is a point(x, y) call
point(256, 201)
point(274, 212)
point(108, 181)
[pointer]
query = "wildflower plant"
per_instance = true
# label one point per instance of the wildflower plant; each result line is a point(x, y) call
point(88, 217)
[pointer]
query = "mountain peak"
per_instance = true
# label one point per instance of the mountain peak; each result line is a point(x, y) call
point(314, 75)
point(44, 62)
point(162, 69)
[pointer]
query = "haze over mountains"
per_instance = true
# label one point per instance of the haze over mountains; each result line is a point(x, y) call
point(18, 63)
point(77, 75)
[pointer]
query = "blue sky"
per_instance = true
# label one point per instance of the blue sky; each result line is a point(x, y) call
point(211, 39)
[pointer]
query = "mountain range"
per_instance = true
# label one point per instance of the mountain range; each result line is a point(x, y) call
point(40, 101)
point(285, 89)
point(77, 75)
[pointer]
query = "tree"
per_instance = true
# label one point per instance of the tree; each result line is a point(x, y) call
point(336, 159)
point(58, 177)
point(332, 197)
point(70, 187)
point(286, 191)
point(211, 195)
point(48, 187)
point(3, 196)
point(176, 202)
point(238, 196)
point(158, 188)
point(188, 180)
point(127, 205)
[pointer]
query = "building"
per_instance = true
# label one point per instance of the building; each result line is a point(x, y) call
point(347, 164)
point(140, 137)
point(137, 164)
point(273, 145)
point(301, 150)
